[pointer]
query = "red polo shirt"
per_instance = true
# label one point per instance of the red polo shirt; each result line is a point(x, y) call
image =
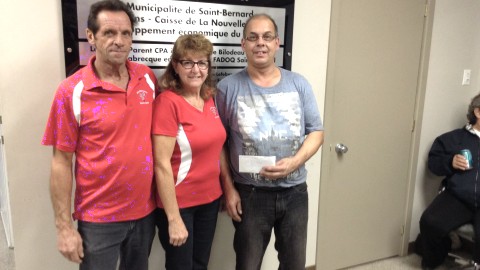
point(108, 129)
point(199, 140)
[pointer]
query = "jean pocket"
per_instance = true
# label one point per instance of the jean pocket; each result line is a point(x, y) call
point(301, 188)
point(246, 195)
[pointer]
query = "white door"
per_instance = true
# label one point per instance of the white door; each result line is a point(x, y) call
point(373, 71)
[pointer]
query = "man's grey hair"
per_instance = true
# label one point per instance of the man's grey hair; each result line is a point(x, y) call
point(475, 103)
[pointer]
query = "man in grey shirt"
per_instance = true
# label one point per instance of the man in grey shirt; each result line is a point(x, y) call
point(269, 113)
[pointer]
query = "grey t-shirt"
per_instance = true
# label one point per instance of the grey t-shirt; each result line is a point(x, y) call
point(267, 121)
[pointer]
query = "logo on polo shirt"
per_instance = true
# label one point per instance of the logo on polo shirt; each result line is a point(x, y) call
point(142, 94)
point(214, 111)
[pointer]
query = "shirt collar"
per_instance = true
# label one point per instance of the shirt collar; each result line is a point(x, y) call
point(91, 81)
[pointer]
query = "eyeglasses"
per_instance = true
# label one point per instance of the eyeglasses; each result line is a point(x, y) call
point(189, 64)
point(265, 37)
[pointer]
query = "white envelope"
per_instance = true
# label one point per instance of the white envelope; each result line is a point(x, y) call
point(253, 164)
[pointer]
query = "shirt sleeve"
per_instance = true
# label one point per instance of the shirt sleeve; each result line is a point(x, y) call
point(440, 157)
point(220, 100)
point(313, 120)
point(62, 127)
point(165, 116)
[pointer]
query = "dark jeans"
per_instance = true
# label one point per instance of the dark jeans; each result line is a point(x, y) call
point(283, 210)
point(443, 215)
point(103, 243)
point(194, 254)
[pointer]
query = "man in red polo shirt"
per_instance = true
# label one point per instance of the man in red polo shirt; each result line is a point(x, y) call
point(102, 115)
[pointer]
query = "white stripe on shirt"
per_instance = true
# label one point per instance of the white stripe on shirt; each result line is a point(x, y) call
point(76, 100)
point(150, 83)
point(185, 154)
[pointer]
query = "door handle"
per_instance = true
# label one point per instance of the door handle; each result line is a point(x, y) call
point(340, 148)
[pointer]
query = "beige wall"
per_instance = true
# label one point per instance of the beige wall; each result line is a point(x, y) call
point(33, 66)
point(455, 46)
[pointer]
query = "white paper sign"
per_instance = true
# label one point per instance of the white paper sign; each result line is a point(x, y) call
point(253, 164)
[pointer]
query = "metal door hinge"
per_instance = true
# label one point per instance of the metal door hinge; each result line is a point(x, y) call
point(426, 9)
point(402, 230)
point(3, 142)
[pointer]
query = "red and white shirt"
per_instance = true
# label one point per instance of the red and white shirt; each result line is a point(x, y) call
point(199, 140)
point(109, 130)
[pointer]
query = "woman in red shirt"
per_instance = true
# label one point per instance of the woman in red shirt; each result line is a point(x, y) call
point(188, 137)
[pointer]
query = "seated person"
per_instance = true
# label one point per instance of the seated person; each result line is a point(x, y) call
point(459, 202)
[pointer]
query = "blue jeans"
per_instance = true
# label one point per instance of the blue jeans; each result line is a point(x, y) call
point(201, 222)
point(285, 210)
point(103, 243)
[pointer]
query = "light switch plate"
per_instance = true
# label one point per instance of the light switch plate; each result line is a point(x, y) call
point(467, 73)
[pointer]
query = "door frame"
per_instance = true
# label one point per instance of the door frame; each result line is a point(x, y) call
point(418, 117)
point(417, 125)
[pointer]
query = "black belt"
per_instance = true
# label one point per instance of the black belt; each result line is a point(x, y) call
point(266, 188)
